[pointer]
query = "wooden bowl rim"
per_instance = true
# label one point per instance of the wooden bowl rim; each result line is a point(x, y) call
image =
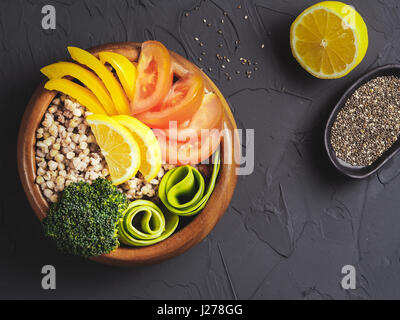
point(180, 241)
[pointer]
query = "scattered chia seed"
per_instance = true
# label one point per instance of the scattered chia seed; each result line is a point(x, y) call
point(224, 59)
point(369, 123)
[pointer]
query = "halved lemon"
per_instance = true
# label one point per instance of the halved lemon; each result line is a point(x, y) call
point(329, 39)
point(118, 146)
point(150, 151)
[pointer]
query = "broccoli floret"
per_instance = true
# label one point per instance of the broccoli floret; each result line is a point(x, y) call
point(84, 221)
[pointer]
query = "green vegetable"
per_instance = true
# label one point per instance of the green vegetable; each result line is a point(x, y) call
point(182, 190)
point(84, 221)
point(145, 214)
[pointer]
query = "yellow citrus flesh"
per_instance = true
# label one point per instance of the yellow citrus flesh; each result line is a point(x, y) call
point(329, 39)
point(118, 146)
point(148, 144)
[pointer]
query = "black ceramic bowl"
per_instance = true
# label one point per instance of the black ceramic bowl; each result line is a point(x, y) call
point(360, 172)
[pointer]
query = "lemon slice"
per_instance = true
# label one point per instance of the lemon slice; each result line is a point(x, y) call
point(150, 150)
point(118, 146)
point(329, 39)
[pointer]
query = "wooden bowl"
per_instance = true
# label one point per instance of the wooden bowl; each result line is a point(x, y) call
point(183, 239)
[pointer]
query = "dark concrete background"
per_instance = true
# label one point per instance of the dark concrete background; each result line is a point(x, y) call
point(292, 224)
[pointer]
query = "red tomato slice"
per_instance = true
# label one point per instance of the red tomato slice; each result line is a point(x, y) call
point(209, 116)
point(191, 152)
point(154, 77)
point(180, 104)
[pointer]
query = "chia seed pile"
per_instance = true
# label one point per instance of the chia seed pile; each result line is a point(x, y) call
point(369, 123)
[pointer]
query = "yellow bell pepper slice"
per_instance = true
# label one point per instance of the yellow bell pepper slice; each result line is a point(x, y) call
point(89, 79)
point(126, 71)
point(118, 95)
point(83, 95)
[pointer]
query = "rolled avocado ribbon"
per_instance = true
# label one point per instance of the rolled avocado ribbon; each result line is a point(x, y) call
point(155, 227)
point(182, 190)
